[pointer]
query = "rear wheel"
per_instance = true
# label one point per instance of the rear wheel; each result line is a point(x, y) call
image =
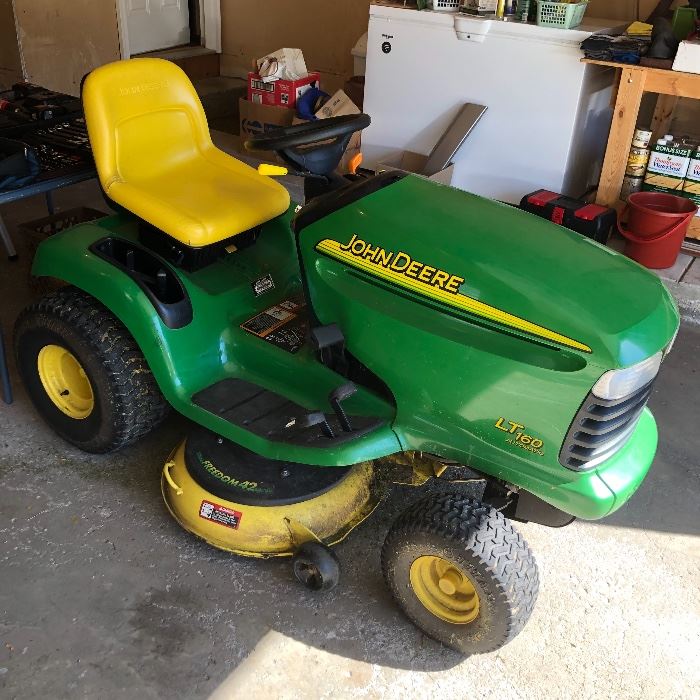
point(85, 374)
point(460, 572)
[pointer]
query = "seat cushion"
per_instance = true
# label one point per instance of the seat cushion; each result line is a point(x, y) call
point(204, 199)
point(155, 157)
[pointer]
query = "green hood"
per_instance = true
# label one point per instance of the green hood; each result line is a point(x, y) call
point(502, 267)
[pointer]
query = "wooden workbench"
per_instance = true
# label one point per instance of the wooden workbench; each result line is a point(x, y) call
point(632, 83)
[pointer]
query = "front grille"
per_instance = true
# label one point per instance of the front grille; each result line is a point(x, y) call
point(601, 428)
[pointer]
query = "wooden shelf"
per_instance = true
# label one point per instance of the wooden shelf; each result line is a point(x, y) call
point(659, 80)
point(632, 82)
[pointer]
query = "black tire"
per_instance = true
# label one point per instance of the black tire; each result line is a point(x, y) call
point(316, 566)
point(127, 401)
point(478, 541)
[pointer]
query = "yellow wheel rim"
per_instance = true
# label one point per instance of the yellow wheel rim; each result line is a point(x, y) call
point(444, 590)
point(65, 381)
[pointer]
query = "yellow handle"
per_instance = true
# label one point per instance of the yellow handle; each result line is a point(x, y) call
point(271, 170)
point(169, 479)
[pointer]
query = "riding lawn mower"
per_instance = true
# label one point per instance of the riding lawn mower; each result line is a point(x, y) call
point(390, 330)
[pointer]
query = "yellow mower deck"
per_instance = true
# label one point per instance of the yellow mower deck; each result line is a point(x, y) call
point(271, 530)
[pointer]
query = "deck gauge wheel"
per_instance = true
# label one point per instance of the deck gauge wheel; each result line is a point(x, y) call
point(316, 566)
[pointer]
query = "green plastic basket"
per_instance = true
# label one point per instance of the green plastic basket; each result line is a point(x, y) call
point(564, 15)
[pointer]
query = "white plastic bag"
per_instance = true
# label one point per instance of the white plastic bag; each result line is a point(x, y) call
point(284, 64)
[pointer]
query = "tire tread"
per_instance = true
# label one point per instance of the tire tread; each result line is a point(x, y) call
point(486, 535)
point(138, 402)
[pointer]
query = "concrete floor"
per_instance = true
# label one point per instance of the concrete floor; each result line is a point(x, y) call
point(103, 596)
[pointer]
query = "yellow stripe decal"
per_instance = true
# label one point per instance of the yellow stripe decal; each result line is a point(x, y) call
point(454, 300)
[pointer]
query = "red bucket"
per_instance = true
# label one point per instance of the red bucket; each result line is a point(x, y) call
point(656, 226)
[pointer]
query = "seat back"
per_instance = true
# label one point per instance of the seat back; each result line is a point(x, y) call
point(144, 118)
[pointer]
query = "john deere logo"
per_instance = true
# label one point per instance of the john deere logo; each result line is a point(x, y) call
point(403, 264)
point(400, 269)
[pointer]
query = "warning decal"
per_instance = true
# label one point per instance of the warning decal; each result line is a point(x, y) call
point(284, 325)
point(220, 514)
point(262, 285)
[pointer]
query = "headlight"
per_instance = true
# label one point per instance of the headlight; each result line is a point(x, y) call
point(618, 383)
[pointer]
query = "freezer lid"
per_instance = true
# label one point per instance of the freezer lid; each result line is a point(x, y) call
point(406, 14)
point(470, 28)
point(478, 28)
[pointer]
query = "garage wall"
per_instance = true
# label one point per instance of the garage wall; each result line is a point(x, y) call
point(624, 9)
point(62, 40)
point(325, 30)
point(10, 60)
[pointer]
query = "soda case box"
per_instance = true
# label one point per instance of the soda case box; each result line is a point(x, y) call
point(668, 166)
point(691, 186)
point(280, 93)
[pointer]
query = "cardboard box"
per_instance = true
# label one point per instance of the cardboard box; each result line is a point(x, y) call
point(410, 162)
point(339, 105)
point(256, 119)
point(280, 93)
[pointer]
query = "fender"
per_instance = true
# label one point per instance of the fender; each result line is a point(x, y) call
point(67, 257)
point(211, 347)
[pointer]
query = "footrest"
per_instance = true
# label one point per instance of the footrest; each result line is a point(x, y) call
point(273, 417)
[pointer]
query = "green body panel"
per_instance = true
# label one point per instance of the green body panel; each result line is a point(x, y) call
point(456, 376)
point(459, 381)
point(213, 346)
point(624, 472)
point(594, 494)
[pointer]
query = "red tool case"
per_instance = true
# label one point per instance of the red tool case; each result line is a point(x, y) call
point(590, 220)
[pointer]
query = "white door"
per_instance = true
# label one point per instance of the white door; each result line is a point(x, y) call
point(157, 24)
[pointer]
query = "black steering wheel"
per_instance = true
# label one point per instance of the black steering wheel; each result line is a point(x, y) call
point(316, 147)
point(308, 133)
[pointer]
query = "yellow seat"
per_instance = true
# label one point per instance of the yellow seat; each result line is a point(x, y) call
point(155, 157)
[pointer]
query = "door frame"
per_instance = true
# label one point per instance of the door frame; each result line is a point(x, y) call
point(210, 17)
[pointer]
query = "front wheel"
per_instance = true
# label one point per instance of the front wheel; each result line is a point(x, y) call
point(84, 373)
point(460, 572)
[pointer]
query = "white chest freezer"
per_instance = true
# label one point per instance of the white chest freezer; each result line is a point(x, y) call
point(548, 114)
